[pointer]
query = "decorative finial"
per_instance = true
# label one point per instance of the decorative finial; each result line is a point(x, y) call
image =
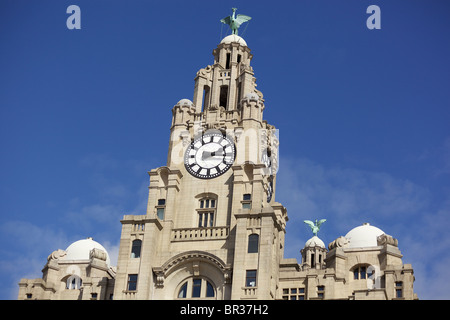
point(315, 226)
point(235, 21)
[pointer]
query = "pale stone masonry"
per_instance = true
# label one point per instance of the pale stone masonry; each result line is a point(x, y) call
point(213, 229)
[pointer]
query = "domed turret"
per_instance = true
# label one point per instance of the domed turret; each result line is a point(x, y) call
point(363, 236)
point(80, 250)
point(234, 38)
point(314, 242)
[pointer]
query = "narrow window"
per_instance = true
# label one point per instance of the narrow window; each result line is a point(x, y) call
point(209, 290)
point(196, 288)
point(211, 219)
point(356, 274)
point(132, 282)
point(250, 279)
point(399, 289)
point(200, 219)
point(239, 94)
point(253, 242)
point(205, 97)
point(239, 58)
point(227, 65)
point(363, 272)
point(136, 248)
point(313, 260)
point(183, 291)
point(160, 209)
point(223, 98)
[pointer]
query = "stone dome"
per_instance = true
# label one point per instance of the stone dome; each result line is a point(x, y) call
point(363, 236)
point(314, 242)
point(185, 102)
point(79, 250)
point(234, 38)
point(251, 96)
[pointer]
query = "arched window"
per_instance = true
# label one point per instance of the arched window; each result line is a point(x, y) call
point(253, 243)
point(196, 288)
point(73, 282)
point(136, 248)
point(360, 272)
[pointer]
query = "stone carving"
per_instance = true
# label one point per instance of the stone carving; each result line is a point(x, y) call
point(340, 242)
point(204, 71)
point(97, 254)
point(387, 239)
point(57, 254)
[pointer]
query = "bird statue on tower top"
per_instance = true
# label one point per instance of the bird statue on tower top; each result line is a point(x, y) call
point(235, 21)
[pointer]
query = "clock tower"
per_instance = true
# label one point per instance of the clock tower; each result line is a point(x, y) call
point(212, 229)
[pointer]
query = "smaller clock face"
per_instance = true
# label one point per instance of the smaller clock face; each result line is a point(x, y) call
point(210, 155)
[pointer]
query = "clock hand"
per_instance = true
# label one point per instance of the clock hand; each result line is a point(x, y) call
point(211, 154)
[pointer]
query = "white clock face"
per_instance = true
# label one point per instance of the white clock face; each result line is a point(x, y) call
point(210, 155)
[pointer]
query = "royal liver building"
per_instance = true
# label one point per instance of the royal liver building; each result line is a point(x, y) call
point(213, 228)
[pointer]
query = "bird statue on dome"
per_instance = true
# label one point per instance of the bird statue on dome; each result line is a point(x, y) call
point(235, 21)
point(315, 226)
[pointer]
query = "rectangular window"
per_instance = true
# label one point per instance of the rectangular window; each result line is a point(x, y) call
point(132, 282)
point(205, 219)
point(253, 243)
point(320, 292)
point(160, 209)
point(227, 65)
point(250, 279)
point(294, 294)
point(246, 205)
point(160, 213)
point(247, 201)
point(399, 289)
point(223, 98)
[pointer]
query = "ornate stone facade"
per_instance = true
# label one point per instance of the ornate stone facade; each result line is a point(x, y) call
point(213, 229)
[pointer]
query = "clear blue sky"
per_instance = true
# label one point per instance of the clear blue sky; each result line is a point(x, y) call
point(363, 117)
